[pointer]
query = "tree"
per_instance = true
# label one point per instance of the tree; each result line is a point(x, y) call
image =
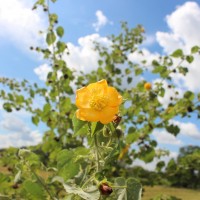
point(185, 171)
point(74, 170)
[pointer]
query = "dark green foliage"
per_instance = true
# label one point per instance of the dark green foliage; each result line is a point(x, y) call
point(185, 171)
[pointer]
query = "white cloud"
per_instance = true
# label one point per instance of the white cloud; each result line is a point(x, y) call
point(149, 40)
point(83, 57)
point(146, 55)
point(188, 129)
point(11, 123)
point(17, 140)
point(42, 71)
point(163, 137)
point(19, 24)
point(184, 24)
point(15, 132)
point(101, 20)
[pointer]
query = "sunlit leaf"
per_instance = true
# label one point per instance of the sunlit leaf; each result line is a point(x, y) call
point(60, 31)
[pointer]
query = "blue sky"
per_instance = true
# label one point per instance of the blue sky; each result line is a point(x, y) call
point(168, 24)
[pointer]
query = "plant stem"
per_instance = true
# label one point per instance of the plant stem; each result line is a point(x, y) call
point(96, 152)
point(90, 179)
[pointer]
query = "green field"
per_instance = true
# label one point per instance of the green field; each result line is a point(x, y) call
point(184, 194)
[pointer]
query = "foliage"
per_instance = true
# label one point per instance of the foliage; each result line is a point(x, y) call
point(185, 171)
point(88, 160)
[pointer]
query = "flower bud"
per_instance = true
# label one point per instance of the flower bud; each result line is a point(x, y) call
point(105, 189)
point(117, 119)
point(147, 86)
point(189, 109)
point(15, 186)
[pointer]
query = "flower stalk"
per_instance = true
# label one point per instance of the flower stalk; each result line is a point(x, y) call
point(96, 152)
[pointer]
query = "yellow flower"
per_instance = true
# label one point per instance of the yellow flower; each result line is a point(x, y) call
point(147, 86)
point(97, 102)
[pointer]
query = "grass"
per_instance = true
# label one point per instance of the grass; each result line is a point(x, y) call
point(182, 193)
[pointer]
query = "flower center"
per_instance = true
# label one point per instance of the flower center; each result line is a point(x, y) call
point(98, 102)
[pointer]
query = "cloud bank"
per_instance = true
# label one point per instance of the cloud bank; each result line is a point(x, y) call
point(19, 24)
point(15, 132)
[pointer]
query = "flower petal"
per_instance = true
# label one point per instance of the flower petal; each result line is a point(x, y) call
point(88, 114)
point(78, 115)
point(82, 98)
point(108, 114)
point(99, 87)
point(115, 99)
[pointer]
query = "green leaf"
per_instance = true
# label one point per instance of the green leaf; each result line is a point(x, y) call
point(67, 168)
point(60, 31)
point(19, 99)
point(66, 105)
point(96, 127)
point(162, 92)
point(183, 70)
point(174, 129)
point(50, 38)
point(147, 155)
point(35, 190)
point(30, 157)
point(89, 193)
point(177, 54)
point(189, 95)
point(195, 49)
point(32, 93)
point(121, 193)
point(61, 46)
point(189, 59)
point(120, 181)
point(100, 62)
point(138, 71)
point(160, 165)
point(53, 19)
point(155, 63)
point(80, 127)
point(46, 108)
point(132, 136)
point(129, 79)
point(35, 120)
point(10, 96)
point(119, 81)
point(127, 71)
point(198, 96)
point(7, 107)
point(134, 189)
point(159, 69)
